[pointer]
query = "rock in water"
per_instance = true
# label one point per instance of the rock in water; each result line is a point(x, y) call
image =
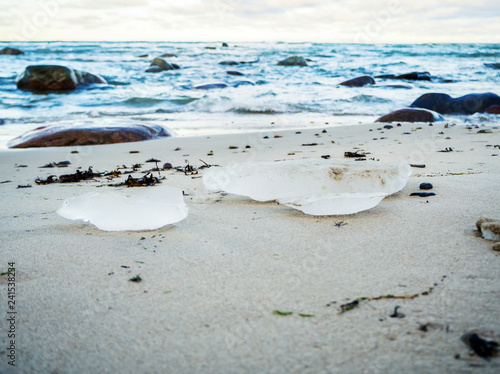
point(132, 209)
point(11, 51)
point(359, 81)
point(318, 187)
point(209, 86)
point(467, 104)
point(162, 64)
point(293, 61)
point(411, 115)
point(75, 135)
point(55, 78)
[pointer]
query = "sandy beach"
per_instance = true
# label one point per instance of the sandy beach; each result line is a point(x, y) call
point(211, 283)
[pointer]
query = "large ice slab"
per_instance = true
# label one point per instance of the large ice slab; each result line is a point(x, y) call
point(129, 209)
point(319, 187)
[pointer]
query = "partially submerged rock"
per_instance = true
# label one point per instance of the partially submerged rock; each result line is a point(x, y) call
point(128, 209)
point(494, 109)
point(359, 81)
point(11, 51)
point(293, 61)
point(411, 115)
point(467, 104)
point(413, 76)
point(64, 136)
point(209, 86)
point(162, 64)
point(55, 78)
point(318, 187)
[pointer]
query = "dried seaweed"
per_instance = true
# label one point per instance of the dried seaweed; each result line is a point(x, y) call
point(136, 279)
point(355, 303)
point(447, 149)
point(146, 180)
point(483, 348)
point(79, 176)
point(356, 154)
point(24, 186)
point(60, 164)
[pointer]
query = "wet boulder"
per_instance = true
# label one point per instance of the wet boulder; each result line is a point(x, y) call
point(229, 63)
point(492, 65)
point(154, 69)
point(162, 64)
point(467, 104)
point(411, 115)
point(359, 81)
point(494, 109)
point(55, 78)
point(293, 61)
point(64, 136)
point(232, 72)
point(11, 51)
point(413, 76)
point(209, 86)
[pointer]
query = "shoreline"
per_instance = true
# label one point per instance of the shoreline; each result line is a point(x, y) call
point(212, 281)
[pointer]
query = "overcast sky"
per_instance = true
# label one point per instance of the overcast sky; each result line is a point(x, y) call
point(336, 21)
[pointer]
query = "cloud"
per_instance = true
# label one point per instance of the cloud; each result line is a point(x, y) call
point(403, 21)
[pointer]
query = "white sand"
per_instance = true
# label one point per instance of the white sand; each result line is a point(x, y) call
point(232, 262)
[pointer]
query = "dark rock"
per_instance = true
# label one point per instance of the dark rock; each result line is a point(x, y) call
point(494, 109)
point(243, 83)
point(388, 127)
point(63, 136)
point(2, 121)
point(293, 61)
point(209, 86)
point(493, 65)
point(11, 51)
point(142, 56)
point(386, 76)
point(229, 63)
point(231, 72)
point(413, 76)
point(359, 81)
point(425, 186)
point(168, 55)
point(154, 69)
point(225, 45)
point(55, 78)
point(423, 194)
point(175, 66)
point(162, 64)
point(468, 104)
point(411, 115)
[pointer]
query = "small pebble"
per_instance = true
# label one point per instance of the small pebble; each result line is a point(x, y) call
point(426, 186)
point(326, 157)
point(388, 127)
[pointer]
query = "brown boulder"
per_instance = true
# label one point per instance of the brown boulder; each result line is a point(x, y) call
point(411, 115)
point(55, 78)
point(293, 61)
point(494, 109)
point(64, 136)
point(359, 81)
point(162, 64)
point(11, 51)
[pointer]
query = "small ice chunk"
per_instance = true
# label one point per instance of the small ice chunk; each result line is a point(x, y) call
point(319, 187)
point(129, 209)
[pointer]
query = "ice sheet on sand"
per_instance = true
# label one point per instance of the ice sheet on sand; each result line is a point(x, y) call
point(129, 209)
point(319, 187)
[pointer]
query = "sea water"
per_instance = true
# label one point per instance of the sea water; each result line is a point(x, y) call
point(280, 97)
